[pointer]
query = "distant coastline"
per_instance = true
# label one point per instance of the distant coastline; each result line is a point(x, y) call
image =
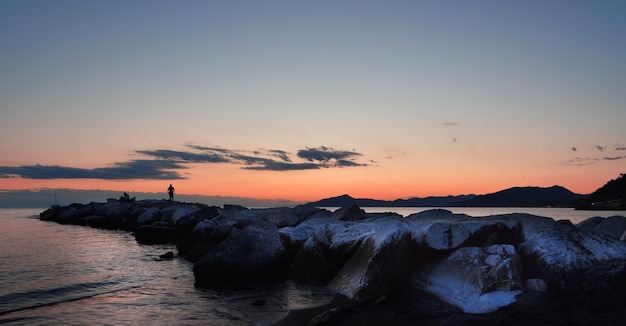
point(48, 197)
point(555, 196)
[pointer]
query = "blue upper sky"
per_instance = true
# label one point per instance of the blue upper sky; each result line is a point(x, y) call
point(395, 98)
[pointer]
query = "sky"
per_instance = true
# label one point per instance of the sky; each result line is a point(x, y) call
point(302, 100)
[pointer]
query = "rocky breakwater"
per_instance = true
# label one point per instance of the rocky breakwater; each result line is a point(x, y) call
point(477, 264)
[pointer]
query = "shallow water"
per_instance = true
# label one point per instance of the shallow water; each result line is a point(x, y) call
point(75, 275)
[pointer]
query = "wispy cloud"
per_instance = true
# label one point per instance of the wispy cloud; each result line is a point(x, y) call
point(619, 147)
point(136, 169)
point(165, 164)
point(582, 161)
point(179, 156)
point(613, 158)
point(450, 124)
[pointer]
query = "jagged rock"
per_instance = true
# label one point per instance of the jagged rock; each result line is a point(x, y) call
point(312, 264)
point(590, 223)
point(382, 260)
point(293, 237)
point(251, 253)
point(228, 207)
point(477, 280)
point(570, 258)
point(179, 214)
point(437, 213)
point(198, 251)
point(73, 213)
point(116, 210)
point(96, 221)
point(153, 234)
point(213, 231)
point(442, 230)
point(536, 284)
point(148, 216)
point(613, 226)
point(284, 217)
point(349, 213)
point(186, 244)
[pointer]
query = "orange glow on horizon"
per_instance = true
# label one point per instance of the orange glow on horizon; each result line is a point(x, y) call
point(306, 186)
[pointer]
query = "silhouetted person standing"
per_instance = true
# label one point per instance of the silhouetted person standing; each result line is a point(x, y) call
point(170, 191)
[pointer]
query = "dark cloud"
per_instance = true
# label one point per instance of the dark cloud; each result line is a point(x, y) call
point(164, 164)
point(324, 154)
point(283, 166)
point(614, 158)
point(279, 160)
point(574, 149)
point(619, 147)
point(137, 169)
point(281, 155)
point(188, 157)
point(599, 148)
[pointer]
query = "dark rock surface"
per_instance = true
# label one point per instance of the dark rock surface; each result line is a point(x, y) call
point(434, 266)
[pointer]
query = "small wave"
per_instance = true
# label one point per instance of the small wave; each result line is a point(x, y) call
point(39, 298)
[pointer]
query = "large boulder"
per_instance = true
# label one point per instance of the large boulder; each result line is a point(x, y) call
point(349, 213)
point(290, 217)
point(293, 237)
point(157, 234)
point(148, 216)
point(442, 230)
point(73, 213)
point(313, 264)
point(613, 226)
point(116, 210)
point(383, 260)
point(248, 254)
point(98, 221)
point(214, 231)
point(173, 213)
point(567, 257)
point(477, 280)
point(590, 223)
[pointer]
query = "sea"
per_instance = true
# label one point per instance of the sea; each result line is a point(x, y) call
point(53, 274)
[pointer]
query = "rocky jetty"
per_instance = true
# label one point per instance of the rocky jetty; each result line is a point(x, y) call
point(477, 265)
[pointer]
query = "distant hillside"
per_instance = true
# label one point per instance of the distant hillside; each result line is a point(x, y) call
point(346, 200)
point(45, 197)
point(512, 197)
point(528, 197)
point(611, 196)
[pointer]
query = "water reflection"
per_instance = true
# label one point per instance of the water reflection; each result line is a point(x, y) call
point(63, 274)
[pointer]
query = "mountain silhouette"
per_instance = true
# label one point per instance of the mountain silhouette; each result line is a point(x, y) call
point(611, 196)
point(528, 197)
point(512, 197)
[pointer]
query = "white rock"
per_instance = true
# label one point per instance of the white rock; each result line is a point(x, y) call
point(148, 216)
point(477, 280)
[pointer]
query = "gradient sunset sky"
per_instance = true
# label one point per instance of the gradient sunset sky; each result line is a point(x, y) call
point(306, 100)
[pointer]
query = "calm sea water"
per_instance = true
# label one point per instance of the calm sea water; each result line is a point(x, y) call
point(75, 275)
point(52, 274)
